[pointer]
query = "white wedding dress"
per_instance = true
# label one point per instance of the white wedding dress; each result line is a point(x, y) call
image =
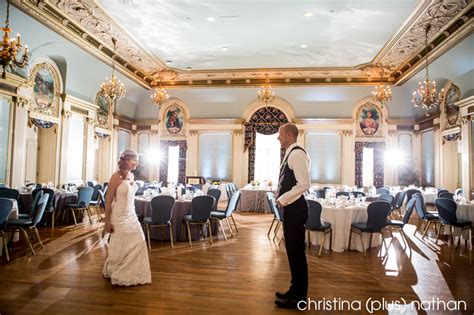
point(127, 263)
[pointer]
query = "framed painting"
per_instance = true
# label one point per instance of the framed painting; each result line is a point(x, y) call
point(44, 88)
point(103, 110)
point(369, 119)
point(174, 119)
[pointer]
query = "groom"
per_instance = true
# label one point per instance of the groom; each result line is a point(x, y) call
point(294, 181)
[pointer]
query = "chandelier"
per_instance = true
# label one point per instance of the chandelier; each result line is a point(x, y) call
point(266, 94)
point(160, 96)
point(426, 95)
point(382, 94)
point(12, 47)
point(113, 89)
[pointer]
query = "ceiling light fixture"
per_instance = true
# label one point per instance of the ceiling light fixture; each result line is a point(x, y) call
point(303, 46)
point(189, 68)
point(266, 94)
point(225, 48)
point(426, 95)
point(308, 14)
point(12, 47)
point(160, 96)
point(113, 89)
point(211, 19)
point(382, 94)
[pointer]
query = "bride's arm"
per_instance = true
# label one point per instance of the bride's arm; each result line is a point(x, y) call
point(109, 198)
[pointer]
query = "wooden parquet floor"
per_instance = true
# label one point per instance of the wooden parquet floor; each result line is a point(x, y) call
point(238, 276)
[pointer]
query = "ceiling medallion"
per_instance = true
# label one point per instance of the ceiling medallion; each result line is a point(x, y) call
point(113, 89)
point(12, 47)
point(426, 95)
point(266, 94)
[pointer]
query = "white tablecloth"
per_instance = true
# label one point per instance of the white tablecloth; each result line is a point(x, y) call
point(13, 216)
point(221, 187)
point(341, 219)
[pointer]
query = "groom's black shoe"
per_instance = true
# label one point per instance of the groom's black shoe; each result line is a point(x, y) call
point(291, 303)
point(284, 296)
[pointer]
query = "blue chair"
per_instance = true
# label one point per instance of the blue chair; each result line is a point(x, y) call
point(447, 215)
point(50, 204)
point(446, 195)
point(314, 224)
point(398, 202)
point(95, 200)
point(9, 193)
point(277, 215)
point(459, 191)
point(219, 216)
point(411, 192)
point(23, 224)
point(342, 193)
point(84, 196)
point(382, 191)
point(399, 225)
point(216, 193)
point(36, 197)
point(161, 213)
point(442, 190)
point(201, 207)
point(424, 215)
point(389, 199)
point(6, 206)
point(319, 193)
point(377, 213)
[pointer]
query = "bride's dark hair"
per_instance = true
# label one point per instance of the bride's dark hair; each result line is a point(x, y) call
point(122, 162)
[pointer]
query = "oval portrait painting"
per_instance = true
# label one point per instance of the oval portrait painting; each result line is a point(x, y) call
point(174, 119)
point(44, 88)
point(103, 110)
point(369, 119)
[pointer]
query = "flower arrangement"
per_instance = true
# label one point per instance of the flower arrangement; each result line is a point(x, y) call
point(255, 183)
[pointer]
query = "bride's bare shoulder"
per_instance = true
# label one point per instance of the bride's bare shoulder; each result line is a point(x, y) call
point(115, 177)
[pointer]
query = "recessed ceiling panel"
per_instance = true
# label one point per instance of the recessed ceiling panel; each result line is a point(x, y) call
point(230, 34)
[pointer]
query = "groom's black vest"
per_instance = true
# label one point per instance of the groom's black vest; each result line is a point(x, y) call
point(287, 176)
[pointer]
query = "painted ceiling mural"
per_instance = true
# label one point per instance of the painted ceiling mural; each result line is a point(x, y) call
point(238, 43)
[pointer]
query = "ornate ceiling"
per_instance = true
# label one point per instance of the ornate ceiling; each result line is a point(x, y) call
point(397, 48)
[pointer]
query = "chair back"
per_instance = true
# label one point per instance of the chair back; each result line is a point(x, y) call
point(409, 210)
point(162, 209)
point(9, 193)
point(314, 215)
point(382, 191)
point(399, 197)
point(37, 194)
point(441, 191)
point(40, 208)
point(420, 205)
point(446, 210)
point(411, 192)
point(84, 196)
point(320, 193)
point(358, 194)
point(377, 213)
point(273, 205)
point(386, 198)
point(228, 190)
point(216, 193)
point(102, 198)
point(342, 193)
point(6, 206)
point(50, 192)
point(447, 195)
point(90, 184)
point(95, 193)
point(459, 191)
point(201, 207)
point(232, 204)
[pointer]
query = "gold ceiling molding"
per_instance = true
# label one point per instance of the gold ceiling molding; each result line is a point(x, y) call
point(86, 23)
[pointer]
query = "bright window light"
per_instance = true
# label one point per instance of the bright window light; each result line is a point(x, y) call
point(395, 158)
point(368, 167)
point(173, 164)
point(153, 156)
point(267, 157)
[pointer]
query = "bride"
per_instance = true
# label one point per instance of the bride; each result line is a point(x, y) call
point(127, 262)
